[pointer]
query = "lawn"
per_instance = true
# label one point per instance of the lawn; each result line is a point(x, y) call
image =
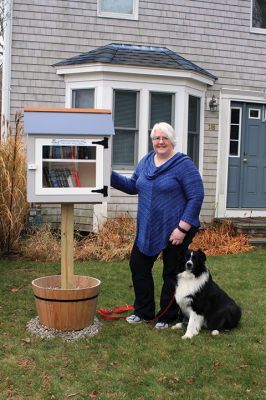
point(133, 362)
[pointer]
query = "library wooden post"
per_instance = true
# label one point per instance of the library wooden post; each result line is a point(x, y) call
point(69, 162)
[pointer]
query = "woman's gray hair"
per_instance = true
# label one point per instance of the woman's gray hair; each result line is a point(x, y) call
point(166, 129)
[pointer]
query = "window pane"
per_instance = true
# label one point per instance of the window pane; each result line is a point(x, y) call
point(125, 109)
point(161, 108)
point(234, 132)
point(233, 148)
point(193, 129)
point(235, 112)
point(193, 148)
point(123, 148)
point(83, 98)
point(125, 122)
point(259, 14)
point(193, 110)
point(117, 6)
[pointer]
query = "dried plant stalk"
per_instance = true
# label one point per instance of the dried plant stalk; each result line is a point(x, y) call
point(113, 242)
point(42, 245)
point(220, 239)
point(13, 202)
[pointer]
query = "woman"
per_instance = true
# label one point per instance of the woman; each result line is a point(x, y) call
point(170, 194)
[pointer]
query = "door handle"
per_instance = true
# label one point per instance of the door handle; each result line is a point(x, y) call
point(245, 160)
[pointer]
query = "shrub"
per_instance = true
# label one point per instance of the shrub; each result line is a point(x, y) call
point(218, 239)
point(115, 239)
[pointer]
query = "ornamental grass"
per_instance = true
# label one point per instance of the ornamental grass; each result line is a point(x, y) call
point(13, 202)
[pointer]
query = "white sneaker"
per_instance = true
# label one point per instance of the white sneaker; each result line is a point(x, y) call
point(161, 325)
point(134, 319)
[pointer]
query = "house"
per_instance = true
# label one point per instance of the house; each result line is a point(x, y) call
point(199, 65)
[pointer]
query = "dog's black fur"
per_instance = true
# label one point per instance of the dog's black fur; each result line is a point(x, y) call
point(202, 301)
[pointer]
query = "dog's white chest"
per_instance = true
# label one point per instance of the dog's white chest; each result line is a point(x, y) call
point(187, 286)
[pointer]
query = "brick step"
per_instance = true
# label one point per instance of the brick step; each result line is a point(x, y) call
point(254, 229)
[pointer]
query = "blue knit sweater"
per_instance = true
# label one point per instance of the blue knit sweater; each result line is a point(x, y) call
point(166, 194)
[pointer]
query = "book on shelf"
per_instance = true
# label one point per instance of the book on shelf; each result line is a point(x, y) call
point(76, 178)
point(60, 177)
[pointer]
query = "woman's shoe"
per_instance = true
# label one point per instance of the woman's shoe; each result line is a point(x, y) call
point(134, 319)
point(161, 325)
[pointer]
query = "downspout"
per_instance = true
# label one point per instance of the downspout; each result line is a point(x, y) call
point(6, 74)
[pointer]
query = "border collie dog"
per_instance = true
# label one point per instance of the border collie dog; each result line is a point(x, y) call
point(202, 301)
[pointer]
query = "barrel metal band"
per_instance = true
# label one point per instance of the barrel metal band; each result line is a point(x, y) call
point(66, 301)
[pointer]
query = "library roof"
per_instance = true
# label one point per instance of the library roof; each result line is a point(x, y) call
point(143, 56)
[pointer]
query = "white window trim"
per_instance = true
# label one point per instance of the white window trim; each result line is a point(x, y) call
point(180, 83)
point(254, 109)
point(79, 88)
point(240, 132)
point(226, 97)
point(133, 16)
point(252, 28)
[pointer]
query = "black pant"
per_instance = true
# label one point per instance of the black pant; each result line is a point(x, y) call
point(141, 269)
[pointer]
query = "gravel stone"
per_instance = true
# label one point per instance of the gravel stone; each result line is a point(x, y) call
point(36, 328)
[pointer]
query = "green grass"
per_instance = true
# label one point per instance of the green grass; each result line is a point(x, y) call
point(133, 362)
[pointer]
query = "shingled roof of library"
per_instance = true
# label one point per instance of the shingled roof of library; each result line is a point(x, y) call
point(143, 56)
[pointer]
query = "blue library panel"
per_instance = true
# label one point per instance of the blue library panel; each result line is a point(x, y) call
point(67, 123)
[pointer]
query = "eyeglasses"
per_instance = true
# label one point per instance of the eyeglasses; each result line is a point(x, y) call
point(160, 138)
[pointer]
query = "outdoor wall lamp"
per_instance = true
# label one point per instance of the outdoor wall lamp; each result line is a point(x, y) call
point(213, 105)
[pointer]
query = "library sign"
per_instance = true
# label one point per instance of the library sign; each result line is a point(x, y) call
point(69, 155)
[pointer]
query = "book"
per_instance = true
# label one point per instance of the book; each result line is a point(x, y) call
point(76, 178)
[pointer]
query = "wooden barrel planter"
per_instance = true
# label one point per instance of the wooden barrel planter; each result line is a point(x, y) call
point(66, 309)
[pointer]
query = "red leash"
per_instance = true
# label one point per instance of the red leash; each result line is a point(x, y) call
point(107, 314)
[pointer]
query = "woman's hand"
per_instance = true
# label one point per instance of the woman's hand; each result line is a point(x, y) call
point(177, 236)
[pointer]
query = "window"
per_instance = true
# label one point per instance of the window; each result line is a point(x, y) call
point(254, 113)
point(193, 129)
point(161, 110)
point(258, 19)
point(235, 129)
point(126, 129)
point(83, 98)
point(127, 9)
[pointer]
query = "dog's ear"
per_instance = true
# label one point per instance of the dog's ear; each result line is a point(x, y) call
point(202, 255)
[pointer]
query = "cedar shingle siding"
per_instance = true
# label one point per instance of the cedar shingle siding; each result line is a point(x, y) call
point(214, 35)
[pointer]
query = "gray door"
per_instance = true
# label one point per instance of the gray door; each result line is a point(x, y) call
point(247, 157)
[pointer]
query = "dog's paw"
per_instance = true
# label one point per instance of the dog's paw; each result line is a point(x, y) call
point(184, 337)
point(187, 336)
point(177, 326)
point(215, 332)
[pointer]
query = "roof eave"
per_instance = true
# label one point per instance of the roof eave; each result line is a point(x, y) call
point(134, 69)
